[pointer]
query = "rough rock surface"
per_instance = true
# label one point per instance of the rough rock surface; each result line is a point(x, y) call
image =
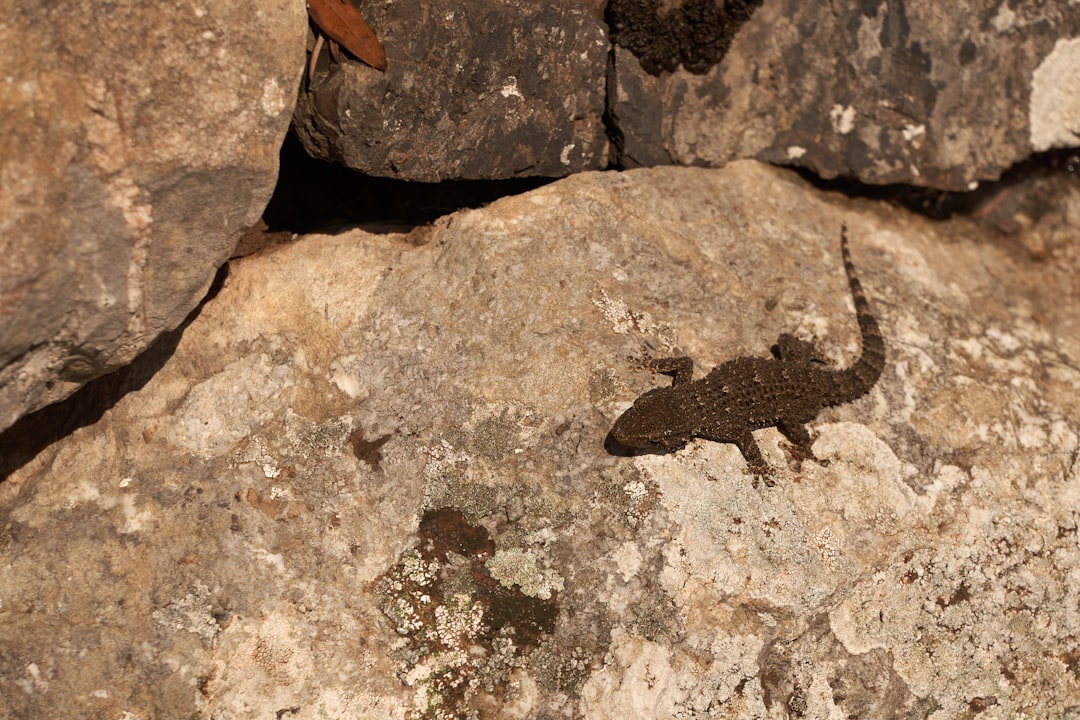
point(136, 143)
point(883, 91)
point(473, 89)
point(370, 481)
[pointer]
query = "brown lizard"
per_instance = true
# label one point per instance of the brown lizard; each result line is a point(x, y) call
point(751, 393)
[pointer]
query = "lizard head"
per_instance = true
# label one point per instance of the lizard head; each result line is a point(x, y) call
point(652, 423)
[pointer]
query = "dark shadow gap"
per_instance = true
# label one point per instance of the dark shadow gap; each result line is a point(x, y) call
point(1020, 184)
point(32, 433)
point(318, 196)
point(616, 139)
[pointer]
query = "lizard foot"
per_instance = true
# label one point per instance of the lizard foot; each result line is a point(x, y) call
point(799, 454)
point(761, 473)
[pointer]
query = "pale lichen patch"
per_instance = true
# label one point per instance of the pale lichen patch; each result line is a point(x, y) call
point(1054, 110)
point(522, 568)
point(192, 613)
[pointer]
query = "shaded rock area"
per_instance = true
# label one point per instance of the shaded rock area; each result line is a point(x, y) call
point(136, 145)
point(885, 91)
point(473, 89)
point(370, 479)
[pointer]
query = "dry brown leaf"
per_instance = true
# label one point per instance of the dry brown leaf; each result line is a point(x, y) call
point(341, 22)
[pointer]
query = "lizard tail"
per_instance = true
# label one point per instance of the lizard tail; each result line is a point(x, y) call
point(856, 381)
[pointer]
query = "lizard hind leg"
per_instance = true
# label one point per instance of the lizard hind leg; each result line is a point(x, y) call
point(799, 436)
point(792, 349)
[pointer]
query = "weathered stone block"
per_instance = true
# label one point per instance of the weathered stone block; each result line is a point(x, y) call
point(885, 92)
point(473, 89)
point(136, 144)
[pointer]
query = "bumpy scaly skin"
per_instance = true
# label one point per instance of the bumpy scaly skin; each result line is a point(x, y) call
point(750, 393)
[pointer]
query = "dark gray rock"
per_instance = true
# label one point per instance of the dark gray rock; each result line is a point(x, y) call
point(474, 89)
point(887, 92)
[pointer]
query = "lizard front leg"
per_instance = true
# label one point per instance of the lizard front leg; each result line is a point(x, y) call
point(744, 440)
point(681, 369)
